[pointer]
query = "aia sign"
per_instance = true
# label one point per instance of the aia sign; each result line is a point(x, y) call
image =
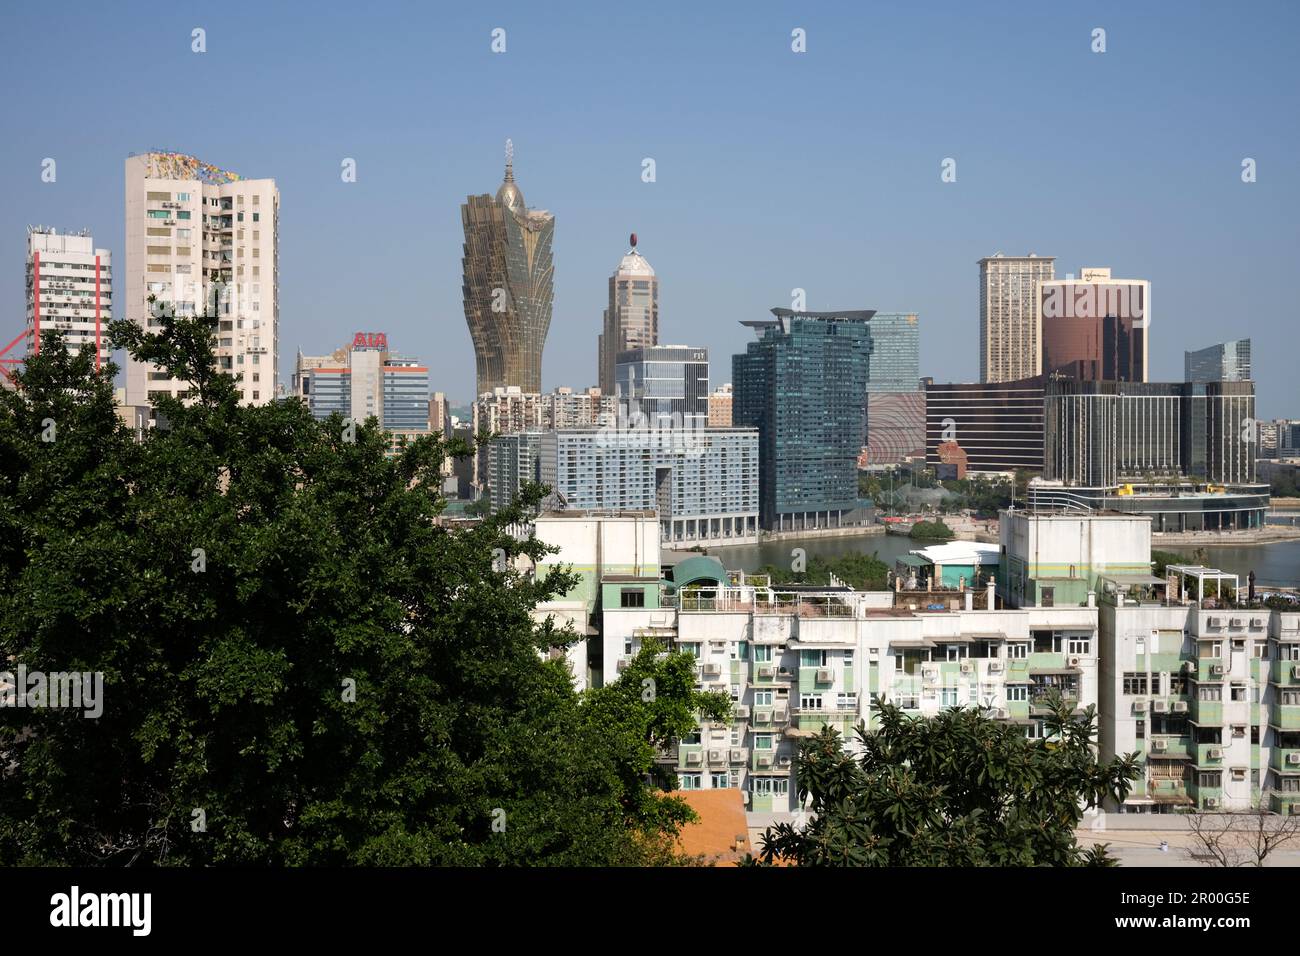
point(370, 340)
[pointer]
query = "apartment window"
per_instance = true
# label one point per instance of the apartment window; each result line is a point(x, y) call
point(1209, 692)
point(1239, 731)
point(1209, 778)
point(1048, 597)
point(1238, 692)
point(1254, 779)
point(1216, 649)
point(736, 735)
point(1238, 774)
point(719, 780)
point(956, 652)
point(1177, 684)
point(256, 395)
point(256, 216)
point(762, 741)
point(1259, 650)
point(239, 217)
point(848, 658)
point(1079, 645)
point(762, 653)
point(948, 697)
point(762, 698)
point(1140, 729)
point(1254, 733)
point(632, 597)
point(770, 786)
point(1043, 642)
point(690, 647)
point(1017, 692)
point(1288, 697)
point(182, 197)
point(1239, 644)
point(1018, 650)
point(688, 781)
point(1288, 652)
point(810, 702)
point(846, 701)
point(1135, 684)
point(812, 658)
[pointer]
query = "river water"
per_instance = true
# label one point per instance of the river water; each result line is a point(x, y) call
point(1275, 563)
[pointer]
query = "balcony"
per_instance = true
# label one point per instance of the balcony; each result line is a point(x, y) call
point(1209, 755)
point(1286, 673)
point(1172, 747)
point(1206, 712)
point(1165, 790)
point(1286, 716)
point(1210, 669)
point(1285, 759)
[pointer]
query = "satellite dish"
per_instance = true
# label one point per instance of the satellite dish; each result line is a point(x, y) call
point(633, 240)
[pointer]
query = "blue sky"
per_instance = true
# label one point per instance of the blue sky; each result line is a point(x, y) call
point(775, 170)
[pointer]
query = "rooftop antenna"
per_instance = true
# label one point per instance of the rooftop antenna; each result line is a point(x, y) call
point(510, 161)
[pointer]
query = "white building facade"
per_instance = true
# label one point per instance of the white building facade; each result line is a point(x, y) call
point(69, 288)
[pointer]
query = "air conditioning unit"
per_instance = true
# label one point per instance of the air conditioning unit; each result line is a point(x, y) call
point(1139, 706)
point(694, 757)
point(766, 670)
point(966, 667)
point(1001, 713)
point(1189, 667)
point(1074, 661)
point(824, 675)
point(737, 754)
point(1211, 803)
point(783, 760)
point(1214, 621)
point(712, 669)
point(1159, 744)
point(1160, 706)
point(929, 673)
point(1295, 672)
point(1235, 622)
point(995, 667)
point(1214, 753)
point(765, 760)
point(762, 715)
point(1216, 670)
point(1257, 622)
point(715, 756)
point(740, 711)
point(622, 663)
point(784, 672)
point(1180, 707)
point(1293, 758)
point(780, 713)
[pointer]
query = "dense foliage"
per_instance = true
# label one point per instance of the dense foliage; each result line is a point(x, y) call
point(300, 666)
point(956, 789)
point(931, 530)
point(862, 572)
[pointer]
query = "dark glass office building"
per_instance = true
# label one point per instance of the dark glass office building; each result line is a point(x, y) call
point(999, 425)
point(801, 384)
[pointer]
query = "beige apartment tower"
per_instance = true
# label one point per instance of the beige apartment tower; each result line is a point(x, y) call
point(69, 288)
point(1010, 322)
point(194, 234)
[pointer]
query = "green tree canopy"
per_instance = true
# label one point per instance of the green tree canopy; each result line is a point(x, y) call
point(300, 665)
point(956, 789)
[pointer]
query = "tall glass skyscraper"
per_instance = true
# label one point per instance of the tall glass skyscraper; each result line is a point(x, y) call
point(507, 287)
point(895, 401)
point(1226, 362)
point(802, 386)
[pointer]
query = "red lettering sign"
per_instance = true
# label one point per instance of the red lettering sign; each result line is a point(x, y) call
point(370, 340)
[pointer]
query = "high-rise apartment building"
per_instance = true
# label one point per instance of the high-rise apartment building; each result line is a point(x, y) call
point(365, 379)
point(1225, 362)
point(196, 234)
point(720, 407)
point(439, 415)
point(1095, 328)
point(69, 288)
point(1010, 347)
point(631, 319)
point(802, 386)
point(508, 293)
point(668, 384)
point(702, 483)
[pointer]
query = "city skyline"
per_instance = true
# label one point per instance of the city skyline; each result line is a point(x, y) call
point(735, 224)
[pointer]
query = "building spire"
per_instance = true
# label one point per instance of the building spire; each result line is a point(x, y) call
point(510, 161)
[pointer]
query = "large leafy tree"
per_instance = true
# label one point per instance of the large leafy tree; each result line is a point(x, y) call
point(300, 666)
point(956, 789)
